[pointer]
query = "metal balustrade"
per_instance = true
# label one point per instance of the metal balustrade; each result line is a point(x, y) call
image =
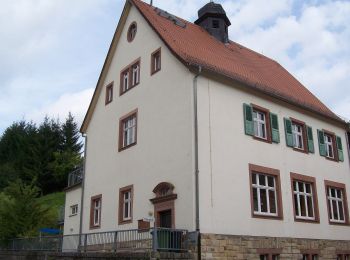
point(75, 177)
point(153, 239)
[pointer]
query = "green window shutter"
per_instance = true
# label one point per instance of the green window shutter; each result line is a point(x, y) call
point(248, 119)
point(340, 149)
point(275, 133)
point(310, 139)
point(321, 144)
point(288, 131)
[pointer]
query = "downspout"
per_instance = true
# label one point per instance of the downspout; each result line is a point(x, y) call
point(82, 193)
point(196, 167)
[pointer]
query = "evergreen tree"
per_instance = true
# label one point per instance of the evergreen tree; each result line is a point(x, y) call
point(71, 136)
point(20, 213)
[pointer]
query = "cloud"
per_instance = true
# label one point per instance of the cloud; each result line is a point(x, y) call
point(76, 103)
point(52, 51)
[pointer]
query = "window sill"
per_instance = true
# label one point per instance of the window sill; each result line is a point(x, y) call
point(95, 227)
point(300, 150)
point(262, 139)
point(346, 223)
point(126, 147)
point(131, 87)
point(331, 159)
point(278, 217)
point(123, 222)
point(302, 220)
point(72, 215)
point(154, 72)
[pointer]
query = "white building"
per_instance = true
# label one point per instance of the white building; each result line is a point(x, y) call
point(209, 136)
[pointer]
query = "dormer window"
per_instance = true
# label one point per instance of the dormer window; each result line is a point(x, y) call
point(216, 24)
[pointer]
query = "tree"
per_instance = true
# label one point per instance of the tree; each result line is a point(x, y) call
point(71, 137)
point(20, 213)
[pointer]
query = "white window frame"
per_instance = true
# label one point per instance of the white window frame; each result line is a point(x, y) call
point(127, 201)
point(268, 189)
point(129, 131)
point(303, 195)
point(330, 199)
point(328, 140)
point(125, 80)
point(74, 210)
point(259, 124)
point(135, 74)
point(298, 132)
point(97, 212)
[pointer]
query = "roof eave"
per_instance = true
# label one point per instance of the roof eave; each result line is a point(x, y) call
point(206, 70)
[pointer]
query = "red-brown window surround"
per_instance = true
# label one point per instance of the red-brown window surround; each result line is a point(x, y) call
point(272, 172)
point(342, 254)
point(309, 253)
point(130, 76)
point(122, 191)
point(109, 93)
point(270, 252)
point(312, 181)
point(154, 56)
point(132, 31)
point(122, 120)
point(267, 123)
point(334, 141)
point(303, 125)
point(342, 187)
point(92, 206)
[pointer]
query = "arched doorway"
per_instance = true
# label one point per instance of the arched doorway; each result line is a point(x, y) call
point(164, 205)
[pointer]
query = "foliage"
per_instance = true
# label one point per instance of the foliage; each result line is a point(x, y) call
point(21, 213)
point(43, 155)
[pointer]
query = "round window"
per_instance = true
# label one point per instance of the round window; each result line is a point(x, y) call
point(132, 31)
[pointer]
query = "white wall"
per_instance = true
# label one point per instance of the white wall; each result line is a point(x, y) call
point(164, 142)
point(71, 223)
point(225, 152)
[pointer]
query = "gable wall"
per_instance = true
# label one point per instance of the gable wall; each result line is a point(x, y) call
point(164, 140)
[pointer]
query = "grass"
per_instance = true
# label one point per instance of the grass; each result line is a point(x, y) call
point(53, 201)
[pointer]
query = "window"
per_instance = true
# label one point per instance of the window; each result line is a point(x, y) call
point(132, 32)
point(95, 211)
point(74, 210)
point(265, 192)
point(269, 254)
point(310, 256)
point(304, 198)
point(336, 203)
point(298, 139)
point(125, 204)
point(128, 130)
point(109, 93)
point(261, 124)
point(155, 61)
point(269, 257)
point(330, 145)
point(342, 256)
point(130, 77)
point(299, 135)
point(135, 74)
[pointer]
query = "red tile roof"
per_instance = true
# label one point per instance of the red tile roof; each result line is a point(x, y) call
point(195, 46)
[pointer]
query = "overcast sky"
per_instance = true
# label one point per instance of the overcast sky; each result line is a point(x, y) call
point(52, 51)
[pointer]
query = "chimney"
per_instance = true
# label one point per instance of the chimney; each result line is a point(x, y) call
point(212, 17)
